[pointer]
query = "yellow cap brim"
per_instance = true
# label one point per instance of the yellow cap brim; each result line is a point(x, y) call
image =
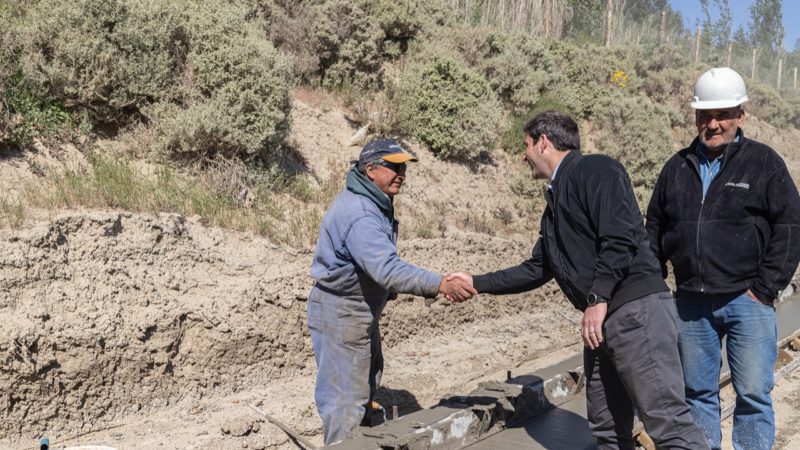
point(399, 158)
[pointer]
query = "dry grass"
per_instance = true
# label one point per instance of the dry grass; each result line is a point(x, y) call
point(12, 212)
point(224, 193)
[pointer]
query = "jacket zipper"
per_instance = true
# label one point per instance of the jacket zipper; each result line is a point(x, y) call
point(700, 219)
point(697, 243)
point(555, 241)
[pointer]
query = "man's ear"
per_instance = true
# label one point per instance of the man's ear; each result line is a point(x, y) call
point(543, 143)
point(369, 171)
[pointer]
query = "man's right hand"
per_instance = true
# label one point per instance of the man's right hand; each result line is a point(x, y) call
point(457, 287)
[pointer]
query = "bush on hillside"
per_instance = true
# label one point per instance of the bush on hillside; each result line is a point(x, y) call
point(450, 108)
point(793, 99)
point(766, 104)
point(354, 38)
point(24, 114)
point(289, 24)
point(128, 60)
point(667, 78)
point(7, 68)
point(635, 132)
point(514, 135)
point(518, 69)
point(238, 101)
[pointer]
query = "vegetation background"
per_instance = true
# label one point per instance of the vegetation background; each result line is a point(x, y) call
point(202, 91)
point(147, 330)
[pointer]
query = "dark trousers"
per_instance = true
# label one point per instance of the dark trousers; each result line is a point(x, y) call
point(638, 366)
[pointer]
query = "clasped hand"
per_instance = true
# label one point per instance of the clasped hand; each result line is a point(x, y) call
point(457, 287)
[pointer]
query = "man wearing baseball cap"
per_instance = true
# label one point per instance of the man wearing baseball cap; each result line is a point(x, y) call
point(356, 269)
point(726, 214)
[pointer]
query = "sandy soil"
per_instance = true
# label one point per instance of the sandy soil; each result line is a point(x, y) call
point(154, 331)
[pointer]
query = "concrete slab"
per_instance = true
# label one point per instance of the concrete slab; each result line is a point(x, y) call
point(561, 428)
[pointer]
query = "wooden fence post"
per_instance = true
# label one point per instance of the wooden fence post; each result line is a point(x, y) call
point(780, 72)
point(547, 9)
point(609, 12)
point(730, 53)
point(662, 34)
point(697, 45)
point(753, 69)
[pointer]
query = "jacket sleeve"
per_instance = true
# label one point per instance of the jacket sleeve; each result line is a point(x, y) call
point(526, 276)
point(783, 250)
point(615, 217)
point(373, 251)
point(655, 222)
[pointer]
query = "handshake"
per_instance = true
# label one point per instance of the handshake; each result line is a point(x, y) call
point(457, 287)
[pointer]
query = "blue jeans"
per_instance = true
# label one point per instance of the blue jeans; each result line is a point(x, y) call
point(752, 335)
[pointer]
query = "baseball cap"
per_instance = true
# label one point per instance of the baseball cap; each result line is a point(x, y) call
point(385, 149)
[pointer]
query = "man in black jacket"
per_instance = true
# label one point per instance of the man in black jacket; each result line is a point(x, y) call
point(726, 213)
point(593, 242)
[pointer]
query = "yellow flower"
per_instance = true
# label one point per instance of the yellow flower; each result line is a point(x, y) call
point(619, 78)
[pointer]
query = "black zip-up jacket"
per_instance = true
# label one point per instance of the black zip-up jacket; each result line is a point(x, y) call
point(592, 239)
point(744, 235)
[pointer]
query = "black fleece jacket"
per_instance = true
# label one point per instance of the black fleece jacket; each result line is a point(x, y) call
point(592, 239)
point(744, 235)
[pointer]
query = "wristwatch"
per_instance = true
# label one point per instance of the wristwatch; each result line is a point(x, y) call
point(593, 299)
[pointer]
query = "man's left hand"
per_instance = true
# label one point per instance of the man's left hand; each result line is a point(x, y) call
point(592, 325)
point(755, 298)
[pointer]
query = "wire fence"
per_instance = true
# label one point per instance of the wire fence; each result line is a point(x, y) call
point(541, 17)
point(551, 18)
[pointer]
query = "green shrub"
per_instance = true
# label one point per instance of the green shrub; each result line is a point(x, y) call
point(518, 69)
point(129, 60)
point(635, 132)
point(109, 57)
point(450, 108)
point(7, 67)
point(289, 24)
point(355, 37)
point(768, 105)
point(793, 99)
point(514, 135)
point(239, 100)
point(30, 116)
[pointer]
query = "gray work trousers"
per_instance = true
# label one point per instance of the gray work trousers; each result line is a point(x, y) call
point(347, 348)
point(638, 365)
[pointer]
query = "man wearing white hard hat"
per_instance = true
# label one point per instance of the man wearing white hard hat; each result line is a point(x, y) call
point(726, 214)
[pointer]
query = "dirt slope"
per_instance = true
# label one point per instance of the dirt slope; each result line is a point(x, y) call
point(154, 331)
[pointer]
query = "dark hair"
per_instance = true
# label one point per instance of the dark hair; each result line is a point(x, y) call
point(560, 129)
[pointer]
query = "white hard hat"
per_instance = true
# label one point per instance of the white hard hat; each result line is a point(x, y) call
point(719, 88)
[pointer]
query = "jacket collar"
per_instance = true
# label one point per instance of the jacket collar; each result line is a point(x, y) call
point(727, 154)
point(358, 183)
point(566, 167)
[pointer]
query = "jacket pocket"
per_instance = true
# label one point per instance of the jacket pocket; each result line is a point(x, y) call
point(731, 250)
